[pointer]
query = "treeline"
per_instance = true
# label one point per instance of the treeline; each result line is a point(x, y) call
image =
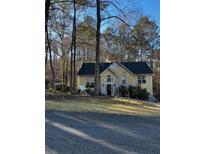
point(80, 31)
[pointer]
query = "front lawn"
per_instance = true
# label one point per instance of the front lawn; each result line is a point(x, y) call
point(102, 105)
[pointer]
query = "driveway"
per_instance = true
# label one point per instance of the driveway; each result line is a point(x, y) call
point(95, 133)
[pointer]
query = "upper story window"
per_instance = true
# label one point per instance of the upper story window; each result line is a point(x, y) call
point(141, 79)
point(109, 78)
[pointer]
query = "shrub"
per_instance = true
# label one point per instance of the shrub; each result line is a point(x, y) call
point(92, 93)
point(79, 92)
point(88, 91)
point(101, 94)
point(59, 87)
point(67, 89)
point(142, 94)
point(132, 92)
point(69, 93)
point(48, 84)
point(62, 88)
point(123, 91)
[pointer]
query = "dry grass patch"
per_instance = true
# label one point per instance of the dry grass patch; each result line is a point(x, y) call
point(103, 105)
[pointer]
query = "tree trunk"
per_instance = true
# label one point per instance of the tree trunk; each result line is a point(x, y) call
point(97, 56)
point(46, 56)
point(50, 58)
point(66, 75)
point(151, 59)
point(74, 48)
point(71, 68)
point(48, 48)
point(73, 53)
point(63, 71)
point(47, 5)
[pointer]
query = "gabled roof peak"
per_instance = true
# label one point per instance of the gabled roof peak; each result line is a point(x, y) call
point(134, 67)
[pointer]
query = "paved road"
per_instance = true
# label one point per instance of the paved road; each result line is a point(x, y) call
point(96, 133)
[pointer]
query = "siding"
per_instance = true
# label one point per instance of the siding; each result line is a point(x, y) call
point(103, 77)
point(117, 71)
point(148, 84)
point(81, 80)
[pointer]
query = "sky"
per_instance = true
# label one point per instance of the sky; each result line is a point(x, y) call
point(150, 8)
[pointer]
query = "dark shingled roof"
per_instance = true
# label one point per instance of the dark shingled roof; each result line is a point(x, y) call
point(137, 67)
point(134, 67)
point(89, 68)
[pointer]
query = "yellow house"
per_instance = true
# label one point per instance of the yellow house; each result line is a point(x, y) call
point(115, 74)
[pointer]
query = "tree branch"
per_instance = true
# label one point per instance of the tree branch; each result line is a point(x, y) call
point(110, 17)
point(53, 9)
point(114, 6)
point(83, 4)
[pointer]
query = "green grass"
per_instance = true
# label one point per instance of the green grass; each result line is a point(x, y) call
point(103, 105)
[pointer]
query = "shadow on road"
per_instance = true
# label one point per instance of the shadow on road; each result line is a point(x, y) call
point(86, 132)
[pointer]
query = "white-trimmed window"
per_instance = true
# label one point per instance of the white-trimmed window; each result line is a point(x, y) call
point(141, 79)
point(124, 80)
point(109, 78)
point(90, 82)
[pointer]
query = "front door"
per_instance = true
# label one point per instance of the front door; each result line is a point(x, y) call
point(109, 92)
